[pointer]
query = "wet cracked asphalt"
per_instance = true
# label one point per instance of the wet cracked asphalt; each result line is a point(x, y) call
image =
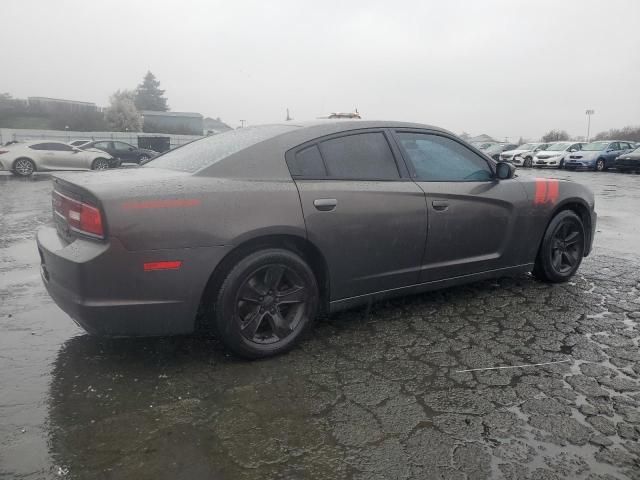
point(368, 395)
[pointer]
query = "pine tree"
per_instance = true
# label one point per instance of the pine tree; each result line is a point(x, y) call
point(149, 96)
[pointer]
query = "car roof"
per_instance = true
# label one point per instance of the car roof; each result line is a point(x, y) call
point(302, 132)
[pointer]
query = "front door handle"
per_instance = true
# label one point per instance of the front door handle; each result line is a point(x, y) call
point(325, 204)
point(440, 205)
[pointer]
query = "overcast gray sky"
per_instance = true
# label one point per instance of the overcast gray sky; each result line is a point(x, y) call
point(502, 67)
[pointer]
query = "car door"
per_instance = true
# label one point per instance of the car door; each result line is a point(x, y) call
point(125, 152)
point(473, 219)
point(42, 155)
point(105, 147)
point(613, 150)
point(361, 210)
point(69, 158)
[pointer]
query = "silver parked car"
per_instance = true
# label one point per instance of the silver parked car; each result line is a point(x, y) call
point(523, 155)
point(45, 156)
point(556, 153)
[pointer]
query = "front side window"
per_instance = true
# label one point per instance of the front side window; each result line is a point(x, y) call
point(101, 145)
point(441, 159)
point(363, 156)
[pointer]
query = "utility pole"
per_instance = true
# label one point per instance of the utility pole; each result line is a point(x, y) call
point(242, 123)
point(589, 112)
point(288, 116)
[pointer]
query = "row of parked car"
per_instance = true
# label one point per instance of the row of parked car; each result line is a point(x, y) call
point(600, 155)
point(43, 156)
point(24, 159)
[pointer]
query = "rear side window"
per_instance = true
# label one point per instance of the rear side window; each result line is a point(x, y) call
point(364, 156)
point(308, 163)
point(440, 159)
point(203, 153)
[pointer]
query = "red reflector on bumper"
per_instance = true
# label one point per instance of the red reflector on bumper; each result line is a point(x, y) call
point(151, 266)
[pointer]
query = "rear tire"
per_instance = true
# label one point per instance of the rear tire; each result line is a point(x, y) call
point(24, 167)
point(265, 304)
point(562, 248)
point(100, 164)
point(528, 162)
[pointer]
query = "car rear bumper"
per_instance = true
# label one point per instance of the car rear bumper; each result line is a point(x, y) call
point(105, 289)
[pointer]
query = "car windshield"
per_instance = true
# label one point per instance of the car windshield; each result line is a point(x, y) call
point(197, 155)
point(558, 147)
point(595, 146)
point(526, 146)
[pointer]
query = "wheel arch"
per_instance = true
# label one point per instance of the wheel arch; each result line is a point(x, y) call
point(580, 208)
point(294, 243)
point(93, 162)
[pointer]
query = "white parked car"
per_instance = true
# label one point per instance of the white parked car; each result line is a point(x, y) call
point(45, 156)
point(523, 155)
point(555, 154)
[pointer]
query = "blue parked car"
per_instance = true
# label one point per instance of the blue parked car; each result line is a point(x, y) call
point(599, 155)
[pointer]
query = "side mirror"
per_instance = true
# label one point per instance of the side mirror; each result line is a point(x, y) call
point(505, 170)
point(131, 149)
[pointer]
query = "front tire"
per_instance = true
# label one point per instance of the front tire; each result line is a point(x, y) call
point(562, 248)
point(600, 166)
point(528, 162)
point(267, 301)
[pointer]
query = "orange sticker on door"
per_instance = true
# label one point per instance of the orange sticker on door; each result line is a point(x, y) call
point(547, 191)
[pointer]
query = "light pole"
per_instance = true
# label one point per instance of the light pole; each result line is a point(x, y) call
point(242, 122)
point(589, 112)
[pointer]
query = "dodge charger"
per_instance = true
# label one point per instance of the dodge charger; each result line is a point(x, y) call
point(256, 231)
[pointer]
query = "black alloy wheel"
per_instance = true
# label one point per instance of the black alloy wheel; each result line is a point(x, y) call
point(266, 302)
point(270, 304)
point(528, 162)
point(562, 248)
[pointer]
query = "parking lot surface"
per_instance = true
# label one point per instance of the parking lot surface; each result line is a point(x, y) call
point(370, 394)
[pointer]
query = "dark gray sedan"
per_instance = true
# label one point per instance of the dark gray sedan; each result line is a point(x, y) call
point(255, 231)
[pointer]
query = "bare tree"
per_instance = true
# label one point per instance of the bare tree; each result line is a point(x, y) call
point(625, 133)
point(122, 115)
point(555, 136)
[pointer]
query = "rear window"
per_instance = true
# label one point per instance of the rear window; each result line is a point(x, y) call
point(205, 152)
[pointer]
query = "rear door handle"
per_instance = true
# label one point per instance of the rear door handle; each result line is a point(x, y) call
point(325, 204)
point(440, 205)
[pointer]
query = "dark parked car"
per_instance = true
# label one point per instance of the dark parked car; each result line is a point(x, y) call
point(629, 161)
point(124, 152)
point(599, 155)
point(255, 230)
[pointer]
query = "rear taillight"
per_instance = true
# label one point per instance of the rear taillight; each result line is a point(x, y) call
point(81, 217)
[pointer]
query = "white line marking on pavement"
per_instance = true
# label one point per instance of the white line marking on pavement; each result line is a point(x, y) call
point(514, 366)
